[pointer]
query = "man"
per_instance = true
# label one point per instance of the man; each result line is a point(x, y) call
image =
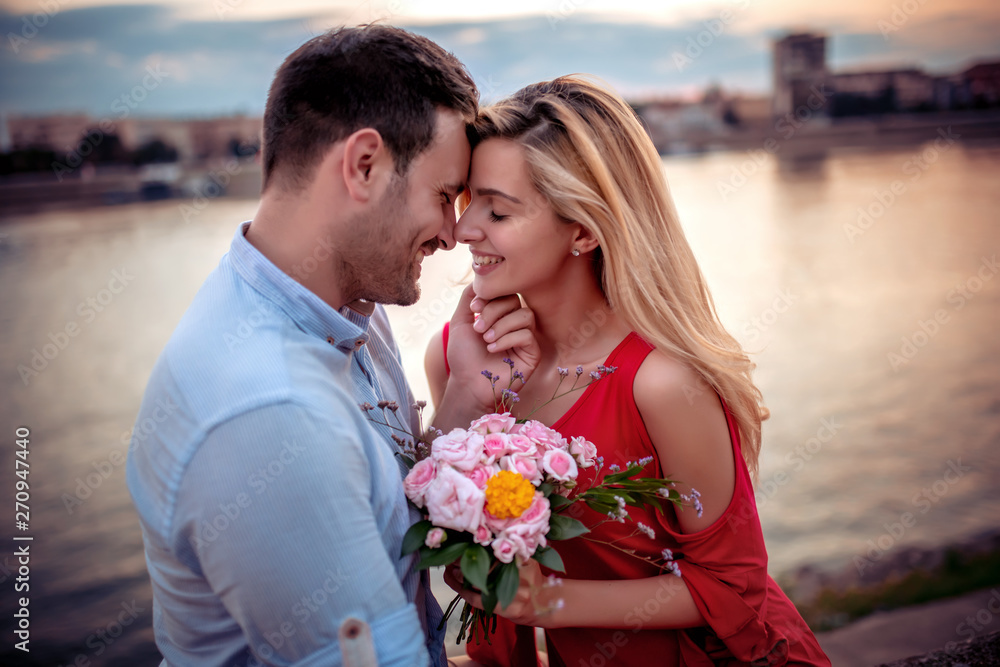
point(271, 509)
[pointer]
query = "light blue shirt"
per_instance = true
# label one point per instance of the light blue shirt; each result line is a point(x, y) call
point(271, 509)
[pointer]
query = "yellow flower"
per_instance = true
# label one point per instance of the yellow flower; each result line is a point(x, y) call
point(508, 494)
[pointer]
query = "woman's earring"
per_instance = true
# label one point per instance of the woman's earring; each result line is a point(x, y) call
point(575, 252)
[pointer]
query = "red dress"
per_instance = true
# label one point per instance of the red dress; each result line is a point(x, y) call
point(749, 619)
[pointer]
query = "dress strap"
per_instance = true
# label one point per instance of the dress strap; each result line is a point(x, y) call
point(444, 340)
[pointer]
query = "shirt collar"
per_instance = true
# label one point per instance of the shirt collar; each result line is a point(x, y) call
point(346, 329)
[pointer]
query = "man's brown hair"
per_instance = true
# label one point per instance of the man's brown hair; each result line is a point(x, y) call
point(350, 78)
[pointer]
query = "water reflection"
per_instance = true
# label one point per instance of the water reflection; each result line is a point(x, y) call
point(822, 307)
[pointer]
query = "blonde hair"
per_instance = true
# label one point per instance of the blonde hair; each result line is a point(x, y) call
point(590, 157)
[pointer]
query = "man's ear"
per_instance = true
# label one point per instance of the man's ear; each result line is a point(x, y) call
point(367, 165)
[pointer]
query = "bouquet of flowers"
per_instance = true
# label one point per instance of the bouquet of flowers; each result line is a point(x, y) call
point(495, 494)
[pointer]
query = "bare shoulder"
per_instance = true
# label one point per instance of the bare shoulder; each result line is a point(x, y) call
point(665, 382)
point(688, 428)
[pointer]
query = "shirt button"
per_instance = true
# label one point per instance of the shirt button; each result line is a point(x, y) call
point(359, 342)
point(330, 340)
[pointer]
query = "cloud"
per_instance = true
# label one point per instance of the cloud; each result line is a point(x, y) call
point(83, 59)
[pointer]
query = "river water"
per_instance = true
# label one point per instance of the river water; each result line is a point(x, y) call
point(864, 282)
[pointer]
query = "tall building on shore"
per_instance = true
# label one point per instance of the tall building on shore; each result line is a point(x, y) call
point(799, 68)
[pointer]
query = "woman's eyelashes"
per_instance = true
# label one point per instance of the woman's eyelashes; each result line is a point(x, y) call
point(496, 218)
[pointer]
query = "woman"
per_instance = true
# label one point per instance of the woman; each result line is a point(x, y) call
point(568, 207)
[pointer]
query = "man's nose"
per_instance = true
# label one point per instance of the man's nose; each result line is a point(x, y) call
point(446, 237)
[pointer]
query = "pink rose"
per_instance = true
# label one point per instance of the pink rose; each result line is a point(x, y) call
point(419, 478)
point(435, 536)
point(584, 451)
point(481, 474)
point(453, 501)
point(542, 435)
point(495, 423)
point(494, 524)
point(559, 464)
point(495, 445)
point(523, 548)
point(524, 464)
point(483, 535)
point(460, 448)
point(535, 519)
point(504, 549)
point(521, 444)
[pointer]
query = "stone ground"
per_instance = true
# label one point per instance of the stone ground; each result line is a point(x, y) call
point(958, 631)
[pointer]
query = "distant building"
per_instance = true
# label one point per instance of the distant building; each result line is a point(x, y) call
point(855, 93)
point(983, 82)
point(799, 68)
point(61, 132)
point(194, 140)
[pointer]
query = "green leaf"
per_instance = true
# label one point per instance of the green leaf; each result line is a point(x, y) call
point(556, 501)
point(489, 599)
point(565, 528)
point(415, 536)
point(550, 558)
point(442, 555)
point(508, 583)
point(546, 489)
point(475, 566)
point(407, 461)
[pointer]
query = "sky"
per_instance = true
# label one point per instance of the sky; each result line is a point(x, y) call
point(188, 58)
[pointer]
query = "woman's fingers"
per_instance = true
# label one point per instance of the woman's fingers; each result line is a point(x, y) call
point(492, 311)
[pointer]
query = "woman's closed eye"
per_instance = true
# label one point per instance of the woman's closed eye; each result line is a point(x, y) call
point(497, 218)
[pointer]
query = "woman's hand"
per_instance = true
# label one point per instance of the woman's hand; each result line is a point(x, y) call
point(536, 603)
point(504, 328)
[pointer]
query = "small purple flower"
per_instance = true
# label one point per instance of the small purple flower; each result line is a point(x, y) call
point(645, 461)
point(563, 372)
point(674, 567)
point(594, 375)
point(614, 467)
point(643, 528)
point(508, 361)
point(579, 371)
point(366, 406)
point(518, 375)
point(667, 554)
point(509, 395)
point(487, 375)
point(420, 405)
